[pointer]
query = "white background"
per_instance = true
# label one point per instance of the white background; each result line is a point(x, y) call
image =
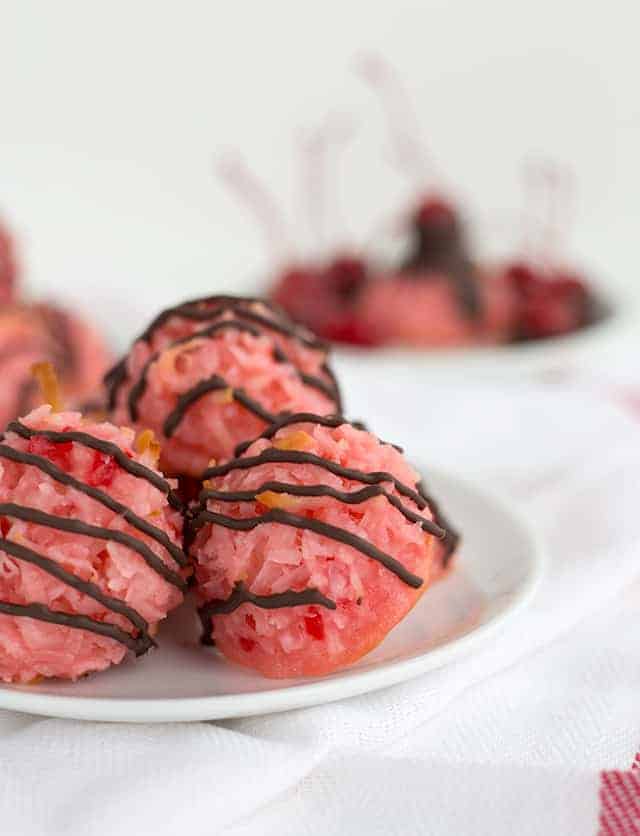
point(111, 115)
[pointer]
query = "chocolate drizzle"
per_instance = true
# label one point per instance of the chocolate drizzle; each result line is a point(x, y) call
point(272, 454)
point(85, 587)
point(452, 536)
point(244, 319)
point(140, 386)
point(277, 515)
point(78, 622)
point(113, 380)
point(211, 307)
point(106, 447)
point(354, 498)
point(75, 526)
point(440, 250)
point(211, 384)
point(437, 527)
point(332, 421)
point(140, 641)
point(103, 498)
point(241, 595)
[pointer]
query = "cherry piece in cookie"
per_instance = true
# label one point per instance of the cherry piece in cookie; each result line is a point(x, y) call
point(548, 303)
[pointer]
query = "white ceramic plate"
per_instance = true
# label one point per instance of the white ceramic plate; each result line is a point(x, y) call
point(496, 573)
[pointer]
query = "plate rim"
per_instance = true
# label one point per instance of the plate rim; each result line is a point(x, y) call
point(347, 683)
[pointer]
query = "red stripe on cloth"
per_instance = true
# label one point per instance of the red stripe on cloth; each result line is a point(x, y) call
point(620, 801)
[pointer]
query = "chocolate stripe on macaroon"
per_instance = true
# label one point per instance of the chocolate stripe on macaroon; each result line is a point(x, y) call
point(452, 538)
point(354, 498)
point(332, 532)
point(64, 478)
point(106, 447)
point(245, 319)
point(215, 383)
point(87, 588)
point(301, 457)
point(241, 595)
point(76, 526)
point(140, 386)
point(282, 421)
point(211, 307)
point(77, 622)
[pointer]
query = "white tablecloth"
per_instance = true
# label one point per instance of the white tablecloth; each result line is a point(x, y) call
point(509, 740)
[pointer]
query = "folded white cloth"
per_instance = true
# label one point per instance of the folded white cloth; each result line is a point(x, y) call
point(509, 740)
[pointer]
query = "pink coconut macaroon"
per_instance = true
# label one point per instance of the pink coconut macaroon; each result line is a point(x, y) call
point(32, 333)
point(90, 557)
point(213, 372)
point(311, 545)
point(427, 311)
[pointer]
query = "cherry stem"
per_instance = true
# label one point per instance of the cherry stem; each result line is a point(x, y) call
point(407, 143)
point(549, 196)
point(239, 178)
point(336, 131)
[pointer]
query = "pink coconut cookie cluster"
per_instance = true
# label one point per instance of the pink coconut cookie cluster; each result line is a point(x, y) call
point(32, 332)
point(210, 373)
point(90, 546)
point(311, 545)
point(310, 538)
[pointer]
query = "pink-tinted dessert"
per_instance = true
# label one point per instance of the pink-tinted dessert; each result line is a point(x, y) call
point(90, 557)
point(213, 372)
point(436, 297)
point(427, 311)
point(311, 545)
point(439, 296)
point(8, 266)
point(41, 332)
point(336, 289)
point(550, 302)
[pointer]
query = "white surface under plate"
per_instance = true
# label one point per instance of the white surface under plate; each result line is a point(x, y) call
point(496, 573)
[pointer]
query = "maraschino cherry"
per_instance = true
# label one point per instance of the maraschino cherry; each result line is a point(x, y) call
point(551, 300)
